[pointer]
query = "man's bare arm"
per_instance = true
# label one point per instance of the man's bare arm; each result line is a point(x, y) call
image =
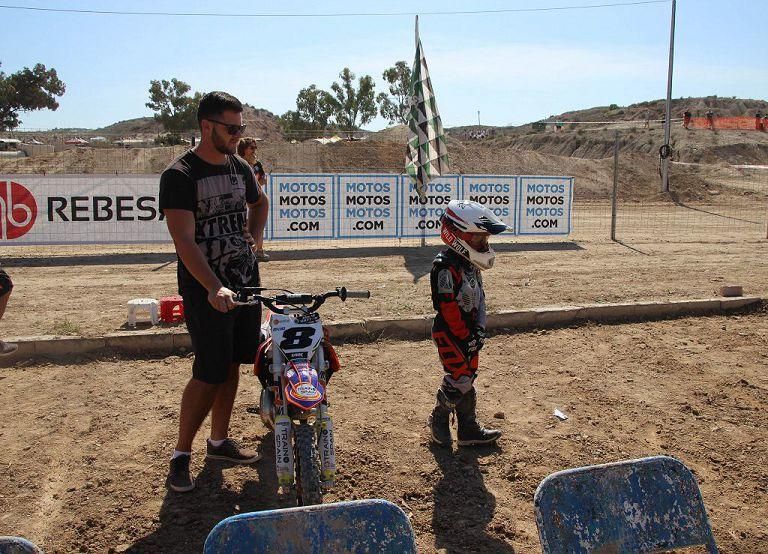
point(181, 225)
point(257, 219)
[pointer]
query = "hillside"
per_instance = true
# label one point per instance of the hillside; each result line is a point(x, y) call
point(261, 124)
point(582, 151)
point(596, 140)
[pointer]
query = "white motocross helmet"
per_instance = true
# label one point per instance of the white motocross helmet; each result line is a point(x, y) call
point(466, 226)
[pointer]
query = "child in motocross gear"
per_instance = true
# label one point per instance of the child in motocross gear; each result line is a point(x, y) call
point(459, 326)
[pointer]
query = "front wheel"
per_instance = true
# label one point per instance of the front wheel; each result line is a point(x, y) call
point(308, 490)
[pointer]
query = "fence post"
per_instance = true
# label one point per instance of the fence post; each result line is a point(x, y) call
point(615, 184)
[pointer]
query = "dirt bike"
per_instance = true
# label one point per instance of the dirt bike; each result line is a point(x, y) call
point(294, 363)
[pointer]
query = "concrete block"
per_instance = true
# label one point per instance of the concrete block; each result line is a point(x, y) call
point(557, 315)
point(345, 330)
point(653, 310)
point(698, 307)
point(608, 312)
point(730, 304)
point(26, 350)
point(413, 328)
point(512, 319)
point(67, 346)
point(131, 342)
point(181, 340)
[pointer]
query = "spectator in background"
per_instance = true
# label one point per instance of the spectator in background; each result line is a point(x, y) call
point(246, 149)
point(710, 120)
point(686, 119)
point(6, 285)
point(759, 122)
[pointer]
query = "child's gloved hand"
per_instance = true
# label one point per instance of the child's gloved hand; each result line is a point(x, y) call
point(479, 335)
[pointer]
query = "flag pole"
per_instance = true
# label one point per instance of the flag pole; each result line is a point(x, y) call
point(416, 46)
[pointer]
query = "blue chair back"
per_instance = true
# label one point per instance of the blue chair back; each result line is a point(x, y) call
point(644, 505)
point(356, 526)
point(17, 545)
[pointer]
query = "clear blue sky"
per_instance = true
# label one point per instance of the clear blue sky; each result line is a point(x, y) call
point(512, 67)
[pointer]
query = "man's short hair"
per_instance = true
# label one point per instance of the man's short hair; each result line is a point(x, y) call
point(245, 142)
point(216, 102)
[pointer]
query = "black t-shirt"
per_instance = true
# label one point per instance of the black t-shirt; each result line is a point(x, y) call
point(217, 195)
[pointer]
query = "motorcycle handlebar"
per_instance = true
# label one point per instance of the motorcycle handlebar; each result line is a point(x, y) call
point(358, 294)
point(311, 302)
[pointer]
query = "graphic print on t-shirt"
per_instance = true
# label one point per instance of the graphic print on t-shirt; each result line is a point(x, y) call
point(220, 220)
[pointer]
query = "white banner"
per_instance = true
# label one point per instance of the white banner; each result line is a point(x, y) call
point(420, 217)
point(366, 206)
point(106, 209)
point(301, 206)
point(80, 209)
point(497, 192)
point(544, 206)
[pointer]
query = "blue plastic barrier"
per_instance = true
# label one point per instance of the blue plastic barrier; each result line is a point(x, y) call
point(643, 505)
point(358, 526)
point(17, 545)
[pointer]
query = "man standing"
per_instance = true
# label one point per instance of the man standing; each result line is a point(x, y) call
point(213, 206)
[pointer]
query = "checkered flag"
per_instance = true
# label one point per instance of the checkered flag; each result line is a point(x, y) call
point(427, 155)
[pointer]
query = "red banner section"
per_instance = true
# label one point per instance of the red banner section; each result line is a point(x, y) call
point(745, 123)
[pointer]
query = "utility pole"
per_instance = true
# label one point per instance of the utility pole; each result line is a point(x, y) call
point(478, 118)
point(666, 151)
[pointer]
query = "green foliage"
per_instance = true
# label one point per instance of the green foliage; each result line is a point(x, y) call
point(613, 107)
point(27, 90)
point(173, 108)
point(353, 107)
point(64, 327)
point(169, 139)
point(397, 107)
point(313, 111)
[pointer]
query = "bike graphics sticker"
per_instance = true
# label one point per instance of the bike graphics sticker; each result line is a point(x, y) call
point(366, 206)
point(420, 217)
point(295, 341)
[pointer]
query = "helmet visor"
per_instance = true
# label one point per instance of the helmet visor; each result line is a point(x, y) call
point(478, 241)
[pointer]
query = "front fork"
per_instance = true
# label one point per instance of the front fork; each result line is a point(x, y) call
point(283, 426)
point(324, 431)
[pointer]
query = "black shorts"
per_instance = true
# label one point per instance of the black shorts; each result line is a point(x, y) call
point(5, 283)
point(220, 339)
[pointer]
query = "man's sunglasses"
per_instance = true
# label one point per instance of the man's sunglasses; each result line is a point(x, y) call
point(231, 129)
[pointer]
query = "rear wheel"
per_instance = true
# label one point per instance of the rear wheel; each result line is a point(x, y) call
point(308, 490)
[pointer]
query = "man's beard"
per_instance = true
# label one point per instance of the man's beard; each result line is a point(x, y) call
point(222, 145)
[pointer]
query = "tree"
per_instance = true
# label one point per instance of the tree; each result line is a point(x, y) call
point(349, 104)
point(315, 106)
point(28, 90)
point(397, 107)
point(313, 111)
point(174, 109)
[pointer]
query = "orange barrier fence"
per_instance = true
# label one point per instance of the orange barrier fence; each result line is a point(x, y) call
point(745, 123)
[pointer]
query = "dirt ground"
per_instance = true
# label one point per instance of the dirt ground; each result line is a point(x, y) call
point(86, 441)
point(84, 291)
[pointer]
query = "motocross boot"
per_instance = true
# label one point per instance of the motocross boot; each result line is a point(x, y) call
point(439, 420)
point(470, 432)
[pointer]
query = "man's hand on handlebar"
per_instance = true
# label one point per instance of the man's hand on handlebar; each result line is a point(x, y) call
point(222, 299)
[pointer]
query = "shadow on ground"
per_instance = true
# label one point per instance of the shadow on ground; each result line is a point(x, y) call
point(185, 519)
point(464, 507)
point(417, 258)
